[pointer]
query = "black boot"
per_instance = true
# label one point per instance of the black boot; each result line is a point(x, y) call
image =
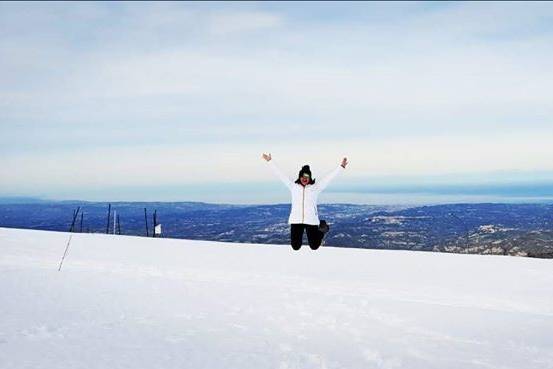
point(324, 227)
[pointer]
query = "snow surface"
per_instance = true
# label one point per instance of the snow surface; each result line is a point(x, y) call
point(131, 302)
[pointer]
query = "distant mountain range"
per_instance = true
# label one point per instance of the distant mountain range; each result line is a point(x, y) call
point(21, 200)
point(507, 229)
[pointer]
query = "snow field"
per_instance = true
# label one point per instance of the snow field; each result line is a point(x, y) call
point(131, 302)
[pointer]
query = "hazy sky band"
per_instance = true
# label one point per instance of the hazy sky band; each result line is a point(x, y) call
point(108, 95)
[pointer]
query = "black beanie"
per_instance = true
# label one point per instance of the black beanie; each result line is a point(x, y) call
point(305, 169)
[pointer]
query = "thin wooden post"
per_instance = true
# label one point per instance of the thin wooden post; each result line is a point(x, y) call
point(146, 220)
point(109, 218)
point(65, 252)
point(155, 223)
point(75, 213)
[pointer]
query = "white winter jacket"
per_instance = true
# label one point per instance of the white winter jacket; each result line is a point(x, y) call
point(304, 199)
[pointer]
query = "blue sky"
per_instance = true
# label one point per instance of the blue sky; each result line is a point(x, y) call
point(177, 101)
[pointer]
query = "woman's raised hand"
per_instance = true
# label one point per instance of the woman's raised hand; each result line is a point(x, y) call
point(344, 162)
point(267, 157)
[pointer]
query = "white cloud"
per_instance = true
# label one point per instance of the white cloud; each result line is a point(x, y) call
point(201, 163)
point(459, 88)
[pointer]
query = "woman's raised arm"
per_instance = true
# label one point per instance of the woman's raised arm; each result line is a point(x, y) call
point(323, 182)
point(287, 182)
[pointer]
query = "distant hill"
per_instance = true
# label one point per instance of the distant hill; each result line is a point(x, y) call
point(506, 229)
point(22, 200)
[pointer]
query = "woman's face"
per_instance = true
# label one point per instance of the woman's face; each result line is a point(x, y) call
point(304, 179)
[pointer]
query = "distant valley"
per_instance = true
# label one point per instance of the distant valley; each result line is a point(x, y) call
point(504, 229)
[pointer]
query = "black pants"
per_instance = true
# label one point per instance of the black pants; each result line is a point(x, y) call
point(314, 235)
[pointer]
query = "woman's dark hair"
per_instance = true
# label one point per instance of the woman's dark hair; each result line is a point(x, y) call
point(305, 169)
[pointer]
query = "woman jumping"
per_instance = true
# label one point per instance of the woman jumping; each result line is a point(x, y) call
point(304, 215)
